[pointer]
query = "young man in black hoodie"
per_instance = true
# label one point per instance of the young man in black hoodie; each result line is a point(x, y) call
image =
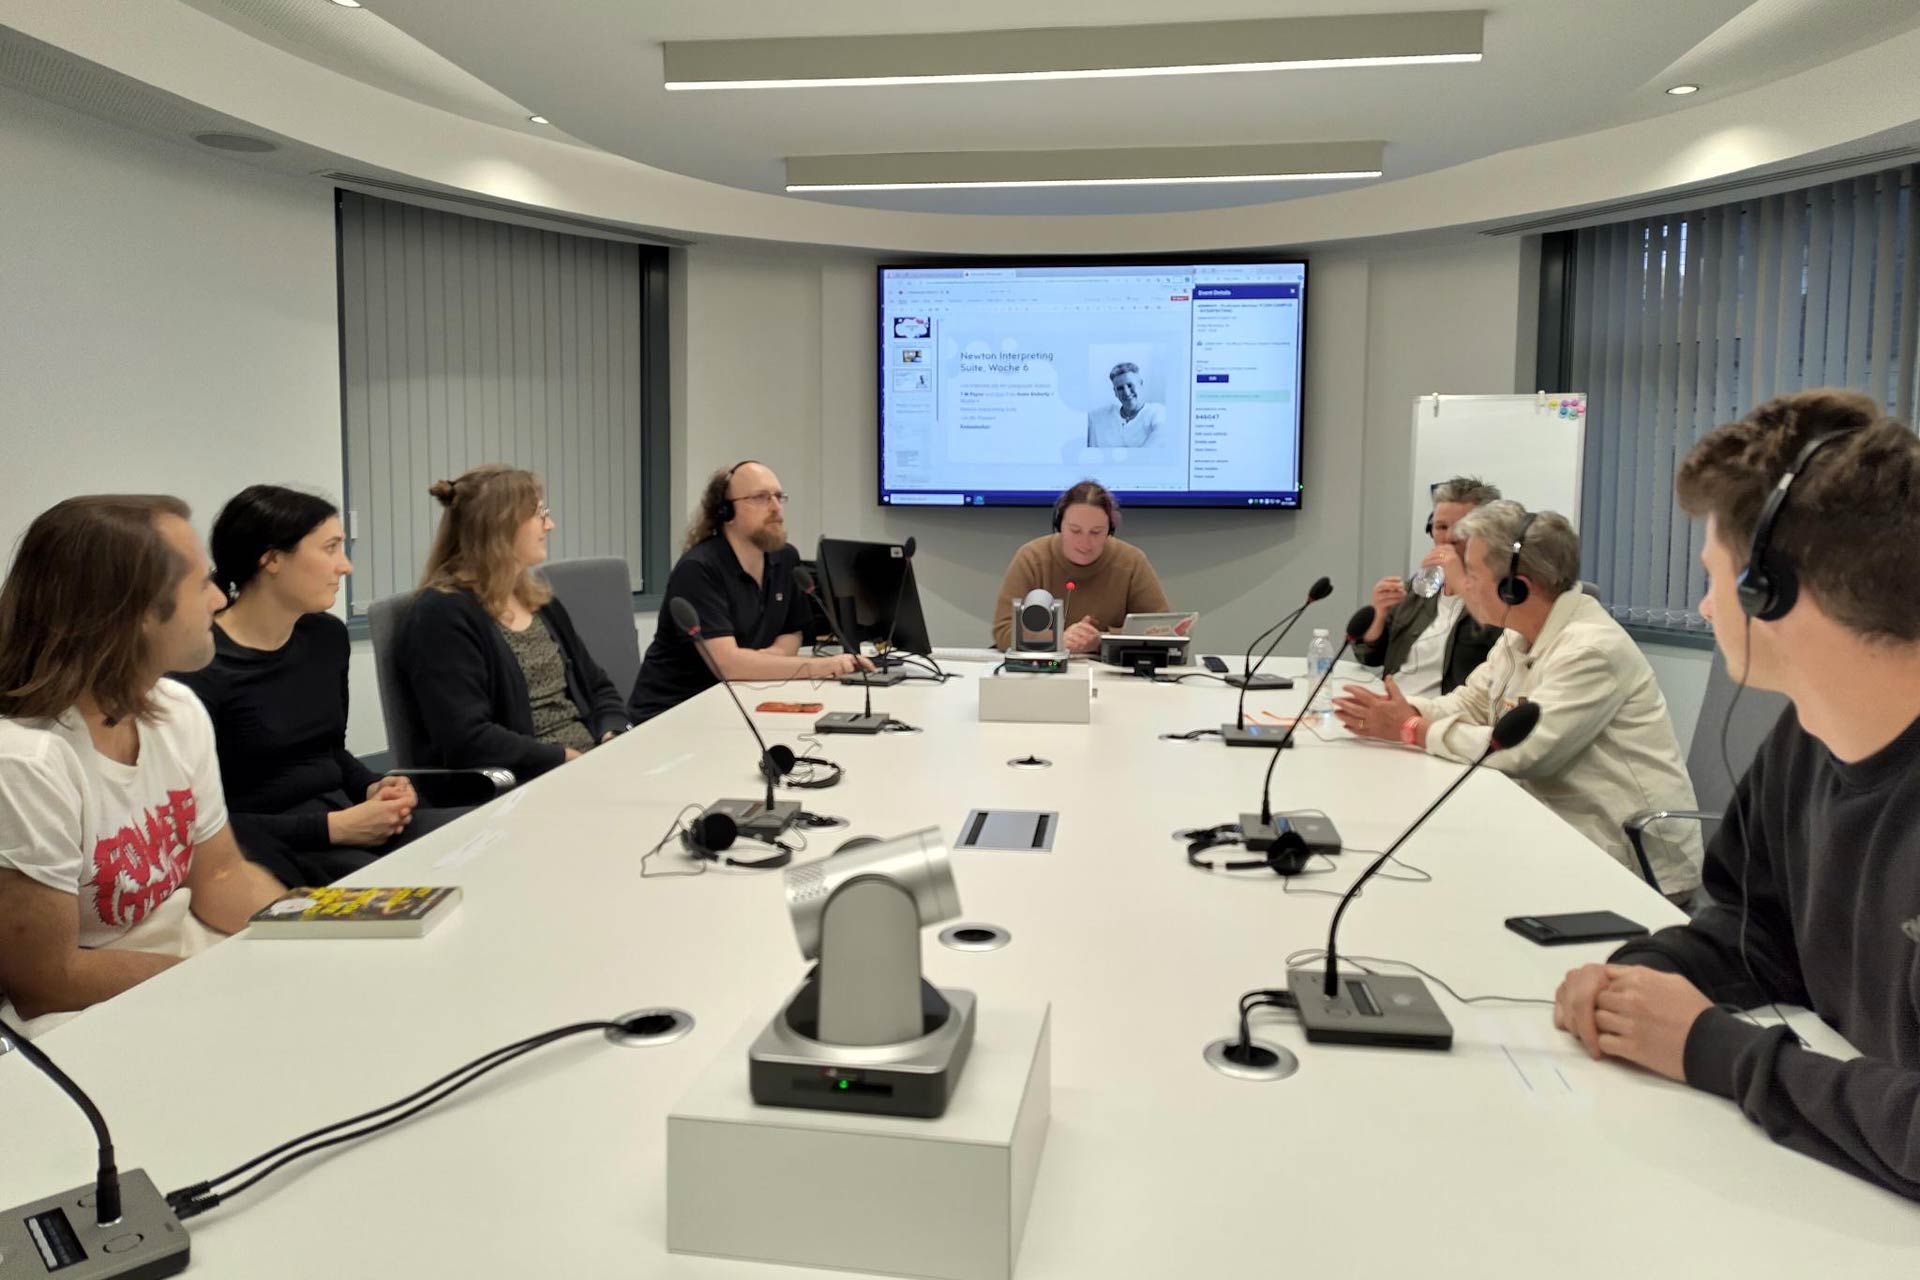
point(1812, 508)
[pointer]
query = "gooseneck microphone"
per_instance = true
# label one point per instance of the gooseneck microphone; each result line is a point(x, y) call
point(1261, 835)
point(1390, 1009)
point(841, 721)
point(107, 1185)
point(58, 1228)
point(759, 820)
point(1238, 734)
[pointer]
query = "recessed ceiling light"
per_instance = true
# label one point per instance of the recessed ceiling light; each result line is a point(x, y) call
point(539, 120)
point(349, 4)
point(1682, 90)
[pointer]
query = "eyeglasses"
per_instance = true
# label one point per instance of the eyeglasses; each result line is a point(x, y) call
point(762, 499)
point(543, 512)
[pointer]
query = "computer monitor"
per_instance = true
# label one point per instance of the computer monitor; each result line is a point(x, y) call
point(864, 580)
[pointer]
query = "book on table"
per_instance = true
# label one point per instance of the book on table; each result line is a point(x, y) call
point(343, 912)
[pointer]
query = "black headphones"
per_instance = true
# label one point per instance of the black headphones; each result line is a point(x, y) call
point(724, 513)
point(815, 781)
point(1769, 586)
point(1287, 856)
point(1513, 589)
point(711, 834)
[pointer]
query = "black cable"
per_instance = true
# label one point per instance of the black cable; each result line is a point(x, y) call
point(191, 1201)
point(1268, 1000)
point(1746, 848)
point(1287, 886)
point(673, 829)
point(926, 660)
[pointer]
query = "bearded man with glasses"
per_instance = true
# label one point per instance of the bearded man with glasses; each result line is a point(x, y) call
point(737, 572)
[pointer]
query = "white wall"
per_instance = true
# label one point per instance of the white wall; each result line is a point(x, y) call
point(170, 320)
point(171, 325)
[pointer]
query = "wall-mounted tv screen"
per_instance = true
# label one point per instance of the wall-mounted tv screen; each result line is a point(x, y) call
point(1175, 385)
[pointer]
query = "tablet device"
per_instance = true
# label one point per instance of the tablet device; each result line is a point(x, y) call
point(1158, 624)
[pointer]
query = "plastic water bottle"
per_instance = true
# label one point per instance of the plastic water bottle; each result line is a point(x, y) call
point(1319, 654)
point(1426, 583)
point(1321, 719)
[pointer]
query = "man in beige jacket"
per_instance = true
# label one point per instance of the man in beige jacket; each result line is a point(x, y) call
point(1605, 746)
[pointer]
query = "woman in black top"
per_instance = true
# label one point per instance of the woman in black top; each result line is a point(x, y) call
point(301, 804)
point(496, 671)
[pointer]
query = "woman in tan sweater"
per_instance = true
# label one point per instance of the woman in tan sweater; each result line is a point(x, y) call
point(1110, 578)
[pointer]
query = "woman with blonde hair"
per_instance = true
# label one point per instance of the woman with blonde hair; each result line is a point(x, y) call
point(497, 673)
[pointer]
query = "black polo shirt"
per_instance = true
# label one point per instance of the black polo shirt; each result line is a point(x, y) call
point(730, 603)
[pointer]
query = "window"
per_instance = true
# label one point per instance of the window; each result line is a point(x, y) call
point(1677, 323)
point(465, 341)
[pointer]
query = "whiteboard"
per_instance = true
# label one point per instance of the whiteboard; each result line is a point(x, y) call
point(1528, 446)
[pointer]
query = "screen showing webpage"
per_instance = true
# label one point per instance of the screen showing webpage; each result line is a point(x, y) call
point(1171, 385)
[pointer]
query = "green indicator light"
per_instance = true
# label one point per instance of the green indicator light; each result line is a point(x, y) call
point(844, 1084)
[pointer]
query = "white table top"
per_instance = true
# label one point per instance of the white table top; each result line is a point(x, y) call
point(1512, 1155)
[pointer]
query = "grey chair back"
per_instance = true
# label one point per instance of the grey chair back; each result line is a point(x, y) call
point(1754, 715)
point(405, 737)
point(598, 594)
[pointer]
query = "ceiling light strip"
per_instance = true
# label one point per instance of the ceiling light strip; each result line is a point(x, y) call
point(1094, 73)
point(1101, 51)
point(1084, 182)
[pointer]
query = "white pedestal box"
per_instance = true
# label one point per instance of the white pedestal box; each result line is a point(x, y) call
point(1064, 697)
point(942, 1198)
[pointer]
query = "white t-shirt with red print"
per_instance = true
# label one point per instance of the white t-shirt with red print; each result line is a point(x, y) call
point(119, 837)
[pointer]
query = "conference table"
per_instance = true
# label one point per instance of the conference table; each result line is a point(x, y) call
point(1513, 1154)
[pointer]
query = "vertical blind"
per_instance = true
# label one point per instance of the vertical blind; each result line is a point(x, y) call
point(465, 341)
point(1688, 320)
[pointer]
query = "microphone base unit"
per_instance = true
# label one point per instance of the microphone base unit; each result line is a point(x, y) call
point(912, 1078)
point(877, 679)
point(1317, 830)
point(755, 820)
point(1254, 735)
point(1259, 680)
point(60, 1236)
point(1388, 1011)
point(851, 722)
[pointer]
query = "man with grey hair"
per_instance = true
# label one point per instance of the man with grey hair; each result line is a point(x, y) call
point(1130, 422)
point(1430, 643)
point(1604, 747)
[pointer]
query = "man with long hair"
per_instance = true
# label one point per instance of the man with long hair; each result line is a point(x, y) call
point(116, 860)
point(737, 573)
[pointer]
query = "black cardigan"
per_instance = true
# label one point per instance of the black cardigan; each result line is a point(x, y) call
point(470, 697)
